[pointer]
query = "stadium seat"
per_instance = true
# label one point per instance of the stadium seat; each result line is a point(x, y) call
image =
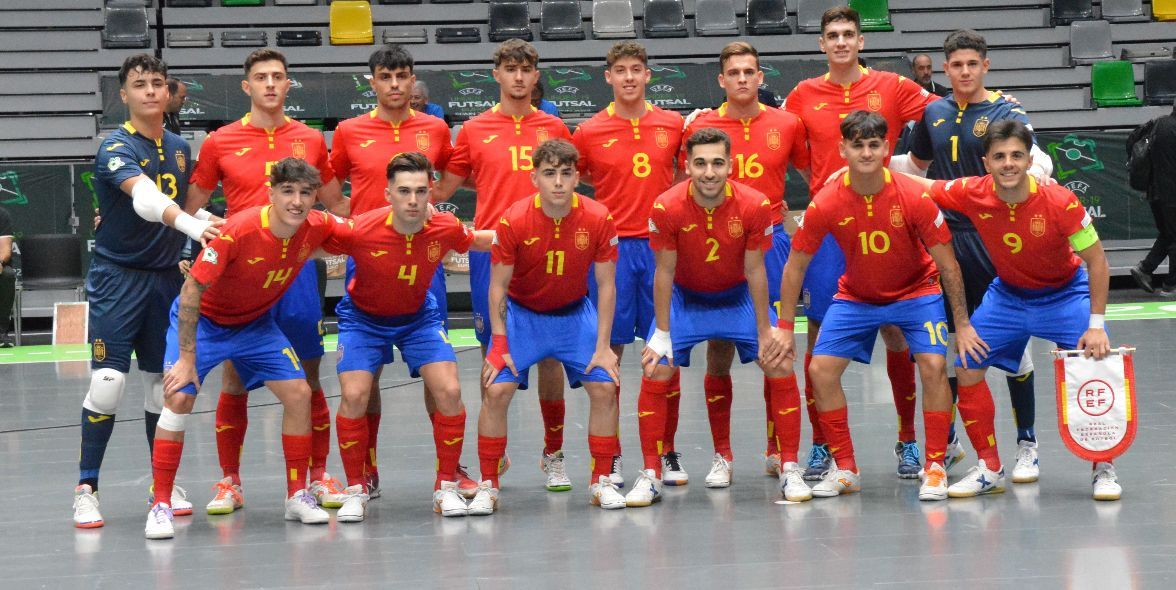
point(561, 20)
point(299, 38)
point(612, 19)
point(295, 2)
point(1142, 54)
point(194, 3)
point(510, 19)
point(1164, 10)
point(452, 1)
point(1123, 11)
point(1090, 41)
point(351, 23)
point(1159, 81)
point(715, 18)
point(1064, 12)
point(808, 14)
point(664, 18)
point(189, 39)
point(1112, 84)
point(242, 2)
point(125, 26)
point(247, 38)
point(875, 14)
point(459, 35)
point(400, 1)
point(405, 35)
point(767, 17)
point(50, 262)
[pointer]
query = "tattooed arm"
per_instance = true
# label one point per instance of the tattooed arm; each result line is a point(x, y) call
point(184, 370)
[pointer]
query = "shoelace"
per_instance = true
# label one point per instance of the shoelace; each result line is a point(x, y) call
point(720, 463)
point(616, 464)
point(555, 469)
point(308, 500)
point(818, 457)
point(223, 490)
point(673, 459)
point(87, 499)
point(910, 454)
point(161, 514)
point(793, 477)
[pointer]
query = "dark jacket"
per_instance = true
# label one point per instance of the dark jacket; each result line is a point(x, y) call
point(1163, 160)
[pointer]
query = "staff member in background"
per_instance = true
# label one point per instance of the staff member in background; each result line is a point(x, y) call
point(178, 92)
point(7, 277)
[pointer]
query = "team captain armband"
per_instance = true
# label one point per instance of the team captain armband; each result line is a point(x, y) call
point(1085, 237)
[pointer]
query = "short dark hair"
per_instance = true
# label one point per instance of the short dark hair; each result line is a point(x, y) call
point(147, 63)
point(265, 54)
point(735, 48)
point(391, 57)
point(965, 39)
point(707, 136)
point(863, 125)
point(409, 162)
point(626, 49)
point(1007, 129)
point(295, 170)
point(173, 85)
point(844, 13)
point(516, 50)
point(557, 152)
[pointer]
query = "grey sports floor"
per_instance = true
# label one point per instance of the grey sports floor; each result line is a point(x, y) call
point(1044, 535)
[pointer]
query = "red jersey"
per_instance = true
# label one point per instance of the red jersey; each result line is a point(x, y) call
point(1028, 242)
point(710, 242)
point(821, 105)
point(496, 150)
point(240, 155)
point(884, 237)
point(552, 257)
point(761, 148)
point(362, 147)
point(631, 162)
point(247, 269)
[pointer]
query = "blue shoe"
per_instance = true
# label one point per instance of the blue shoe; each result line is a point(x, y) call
point(819, 462)
point(908, 459)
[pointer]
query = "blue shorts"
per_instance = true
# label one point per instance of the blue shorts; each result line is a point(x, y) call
point(820, 280)
point(438, 288)
point(976, 268)
point(480, 295)
point(1009, 316)
point(299, 313)
point(259, 350)
point(774, 261)
point(129, 312)
point(568, 335)
point(365, 340)
point(851, 327)
point(634, 309)
point(726, 315)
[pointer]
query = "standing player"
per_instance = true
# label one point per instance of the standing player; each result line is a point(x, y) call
point(141, 173)
point(709, 236)
point(822, 103)
point(362, 147)
point(763, 142)
point(1039, 236)
point(239, 157)
point(223, 313)
point(896, 246)
point(543, 249)
point(496, 148)
point(627, 153)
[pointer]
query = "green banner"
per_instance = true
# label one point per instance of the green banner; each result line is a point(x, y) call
point(1094, 166)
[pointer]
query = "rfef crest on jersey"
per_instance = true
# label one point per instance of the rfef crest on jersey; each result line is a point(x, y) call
point(1037, 226)
point(874, 101)
point(422, 141)
point(896, 216)
point(298, 149)
point(181, 161)
point(980, 127)
point(581, 239)
point(773, 139)
point(434, 251)
point(662, 137)
point(735, 227)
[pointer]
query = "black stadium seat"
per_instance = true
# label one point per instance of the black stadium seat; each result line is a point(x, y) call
point(405, 35)
point(664, 18)
point(299, 38)
point(1064, 12)
point(125, 26)
point(1159, 81)
point(510, 19)
point(459, 35)
point(245, 38)
point(561, 20)
point(767, 17)
point(193, 3)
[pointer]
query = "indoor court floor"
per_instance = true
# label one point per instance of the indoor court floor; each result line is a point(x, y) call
point(1045, 535)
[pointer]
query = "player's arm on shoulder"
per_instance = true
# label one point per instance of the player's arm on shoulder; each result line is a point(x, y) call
point(1041, 165)
point(909, 164)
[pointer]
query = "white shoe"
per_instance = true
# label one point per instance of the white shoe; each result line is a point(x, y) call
point(159, 522)
point(328, 492)
point(179, 502)
point(772, 465)
point(615, 475)
point(792, 483)
point(978, 480)
point(354, 505)
point(557, 478)
point(720, 473)
point(934, 485)
point(302, 507)
point(954, 454)
point(1027, 469)
point(1105, 483)
point(227, 499)
point(447, 501)
point(646, 490)
point(837, 482)
point(605, 494)
point(673, 474)
point(85, 507)
point(485, 502)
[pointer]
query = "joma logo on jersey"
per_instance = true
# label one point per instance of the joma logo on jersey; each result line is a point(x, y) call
point(530, 241)
point(845, 221)
point(938, 122)
point(255, 260)
point(1037, 225)
point(581, 239)
point(378, 253)
point(608, 143)
point(422, 141)
point(773, 139)
point(490, 139)
point(242, 151)
point(367, 143)
point(820, 105)
point(434, 251)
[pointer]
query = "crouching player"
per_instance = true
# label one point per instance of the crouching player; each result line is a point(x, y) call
point(543, 249)
point(223, 313)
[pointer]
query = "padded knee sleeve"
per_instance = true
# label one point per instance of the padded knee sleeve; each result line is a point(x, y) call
point(153, 392)
point(106, 391)
point(169, 420)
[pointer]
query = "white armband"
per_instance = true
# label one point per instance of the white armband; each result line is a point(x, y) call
point(148, 201)
point(202, 214)
point(1041, 166)
point(660, 343)
point(1097, 322)
point(904, 163)
point(191, 226)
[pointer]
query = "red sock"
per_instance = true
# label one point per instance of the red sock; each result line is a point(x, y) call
point(618, 437)
point(785, 415)
point(296, 447)
point(901, 371)
point(811, 403)
point(602, 449)
point(770, 409)
point(353, 441)
point(232, 420)
point(673, 397)
point(373, 430)
point(490, 452)
point(448, 433)
point(718, 410)
point(165, 461)
point(320, 434)
point(978, 413)
point(835, 425)
point(651, 421)
point(935, 427)
point(553, 424)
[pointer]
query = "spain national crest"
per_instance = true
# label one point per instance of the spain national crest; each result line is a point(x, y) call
point(896, 218)
point(434, 251)
point(874, 100)
point(99, 350)
point(735, 227)
point(1037, 226)
point(773, 139)
point(581, 239)
point(422, 141)
point(541, 136)
point(181, 161)
point(662, 137)
point(298, 149)
point(980, 127)
point(304, 252)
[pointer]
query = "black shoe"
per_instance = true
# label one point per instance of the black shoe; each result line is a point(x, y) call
point(6, 341)
point(1142, 279)
point(1168, 291)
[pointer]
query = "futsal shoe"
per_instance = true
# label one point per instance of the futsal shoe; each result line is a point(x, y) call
point(672, 472)
point(1105, 483)
point(179, 500)
point(485, 502)
point(934, 483)
point(606, 495)
point(302, 507)
point(792, 483)
point(615, 475)
point(819, 463)
point(466, 486)
point(646, 490)
point(978, 480)
point(953, 454)
point(328, 492)
point(372, 485)
point(159, 522)
point(354, 505)
point(837, 482)
point(772, 464)
point(447, 500)
point(1027, 468)
point(85, 507)
point(228, 497)
point(557, 477)
point(907, 454)
point(720, 473)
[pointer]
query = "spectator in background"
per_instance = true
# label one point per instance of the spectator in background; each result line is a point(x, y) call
point(419, 101)
point(921, 72)
point(177, 94)
point(1161, 196)
point(7, 276)
point(541, 103)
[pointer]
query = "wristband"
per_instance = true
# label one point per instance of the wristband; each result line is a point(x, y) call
point(498, 348)
point(660, 343)
point(784, 324)
point(190, 226)
point(1097, 322)
point(202, 214)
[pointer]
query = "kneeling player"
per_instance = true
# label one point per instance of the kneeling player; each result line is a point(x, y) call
point(543, 249)
point(223, 313)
